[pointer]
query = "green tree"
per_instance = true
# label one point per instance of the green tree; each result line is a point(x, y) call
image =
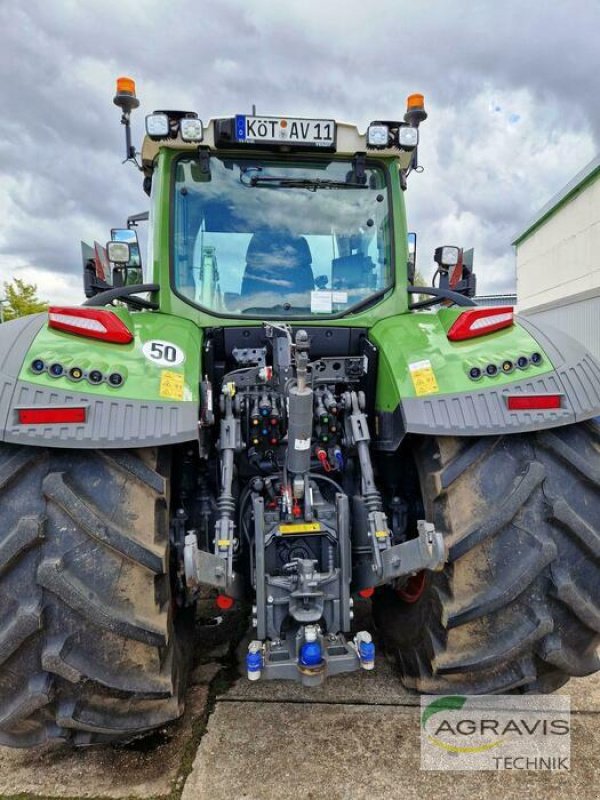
point(420, 281)
point(21, 299)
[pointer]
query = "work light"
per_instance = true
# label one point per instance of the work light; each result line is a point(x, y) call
point(446, 256)
point(191, 130)
point(118, 252)
point(408, 137)
point(157, 126)
point(378, 135)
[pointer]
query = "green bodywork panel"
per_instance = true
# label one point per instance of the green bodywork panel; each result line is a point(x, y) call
point(416, 337)
point(402, 341)
point(144, 380)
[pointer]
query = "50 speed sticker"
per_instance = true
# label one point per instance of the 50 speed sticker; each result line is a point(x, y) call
point(163, 354)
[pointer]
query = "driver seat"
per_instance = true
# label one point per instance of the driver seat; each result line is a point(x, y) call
point(277, 263)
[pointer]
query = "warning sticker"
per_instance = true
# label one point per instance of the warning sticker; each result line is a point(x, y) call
point(293, 528)
point(171, 385)
point(301, 444)
point(320, 302)
point(423, 377)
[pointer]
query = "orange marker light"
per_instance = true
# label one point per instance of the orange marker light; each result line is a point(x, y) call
point(415, 101)
point(126, 86)
point(368, 592)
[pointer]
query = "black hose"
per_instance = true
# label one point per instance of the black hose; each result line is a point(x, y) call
point(335, 484)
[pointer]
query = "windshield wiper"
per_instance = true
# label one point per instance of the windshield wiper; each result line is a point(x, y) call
point(276, 310)
point(312, 184)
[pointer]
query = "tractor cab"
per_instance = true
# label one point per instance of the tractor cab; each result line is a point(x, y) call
point(276, 217)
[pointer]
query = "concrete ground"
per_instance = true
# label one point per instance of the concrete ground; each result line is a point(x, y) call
point(356, 737)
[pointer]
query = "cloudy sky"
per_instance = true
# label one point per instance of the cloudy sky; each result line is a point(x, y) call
point(511, 89)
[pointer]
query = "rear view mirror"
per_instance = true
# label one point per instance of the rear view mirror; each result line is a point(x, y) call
point(412, 256)
point(128, 236)
point(124, 244)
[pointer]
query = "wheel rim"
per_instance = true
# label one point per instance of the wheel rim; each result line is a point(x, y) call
point(413, 589)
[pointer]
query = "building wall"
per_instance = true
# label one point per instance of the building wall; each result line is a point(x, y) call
point(578, 316)
point(496, 299)
point(561, 258)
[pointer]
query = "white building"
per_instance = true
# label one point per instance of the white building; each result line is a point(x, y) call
point(558, 260)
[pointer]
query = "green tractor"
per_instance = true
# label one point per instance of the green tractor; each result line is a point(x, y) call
point(270, 407)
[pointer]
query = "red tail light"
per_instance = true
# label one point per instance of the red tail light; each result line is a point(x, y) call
point(480, 321)
point(529, 402)
point(96, 323)
point(50, 416)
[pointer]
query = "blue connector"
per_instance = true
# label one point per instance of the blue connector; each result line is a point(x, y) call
point(310, 654)
point(365, 649)
point(339, 458)
point(254, 661)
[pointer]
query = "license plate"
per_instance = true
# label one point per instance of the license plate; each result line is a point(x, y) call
point(285, 130)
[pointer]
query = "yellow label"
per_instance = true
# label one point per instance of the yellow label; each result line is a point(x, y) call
point(423, 377)
point(223, 543)
point(300, 527)
point(381, 534)
point(171, 385)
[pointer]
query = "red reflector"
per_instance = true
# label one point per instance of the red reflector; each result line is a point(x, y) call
point(479, 321)
point(96, 323)
point(224, 602)
point(369, 592)
point(50, 416)
point(525, 402)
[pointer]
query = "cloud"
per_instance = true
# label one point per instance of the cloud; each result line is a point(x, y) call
point(510, 89)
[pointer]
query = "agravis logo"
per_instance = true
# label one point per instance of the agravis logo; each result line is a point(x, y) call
point(492, 732)
point(451, 703)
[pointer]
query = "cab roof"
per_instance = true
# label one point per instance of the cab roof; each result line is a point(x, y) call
point(349, 141)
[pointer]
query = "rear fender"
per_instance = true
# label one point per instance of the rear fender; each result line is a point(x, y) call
point(156, 403)
point(424, 386)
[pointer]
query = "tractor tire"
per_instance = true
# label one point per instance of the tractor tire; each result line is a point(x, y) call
point(517, 606)
point(90, 651)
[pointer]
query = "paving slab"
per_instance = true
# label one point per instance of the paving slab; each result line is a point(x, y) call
point(147, 769)
point(585, 696)
point(295, 751)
